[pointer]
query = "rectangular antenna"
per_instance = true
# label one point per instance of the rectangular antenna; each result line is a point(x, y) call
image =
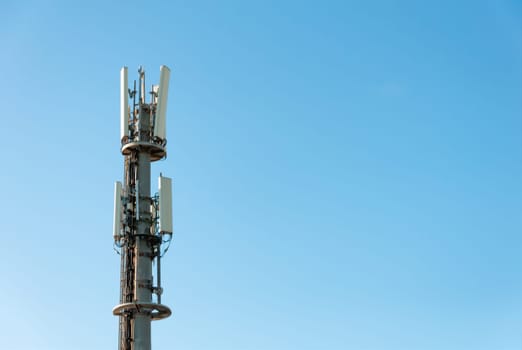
point(161, 108)
point(124, 103)
point(165, 204)
point(117, 211)
point(154, 99)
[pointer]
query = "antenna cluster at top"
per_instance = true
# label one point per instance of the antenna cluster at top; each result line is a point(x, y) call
point(142, 122)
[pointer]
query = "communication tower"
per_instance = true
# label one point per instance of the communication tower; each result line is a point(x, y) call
point(142, 222)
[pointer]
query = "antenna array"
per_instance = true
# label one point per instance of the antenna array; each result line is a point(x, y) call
point(142, 222)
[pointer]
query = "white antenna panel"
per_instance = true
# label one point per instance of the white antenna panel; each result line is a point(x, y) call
point(165, 204)
point(161, 109)
point(117, 210)
point(155, 89)
point(124, 103)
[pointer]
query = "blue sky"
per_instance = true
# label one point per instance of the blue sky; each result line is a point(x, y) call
point(347, 175)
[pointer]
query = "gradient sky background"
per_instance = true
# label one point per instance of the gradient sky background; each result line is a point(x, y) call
point(347, 175)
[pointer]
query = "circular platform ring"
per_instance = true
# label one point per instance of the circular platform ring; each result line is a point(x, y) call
point(155, 150)
point(157, 311)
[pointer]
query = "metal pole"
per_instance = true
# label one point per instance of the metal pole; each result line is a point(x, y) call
point(138, 238)
point(143, 273)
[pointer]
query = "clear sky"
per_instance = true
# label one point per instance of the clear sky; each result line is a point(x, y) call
point(347, 174)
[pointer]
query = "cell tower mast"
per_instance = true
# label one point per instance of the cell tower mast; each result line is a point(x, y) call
point(142, 222)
